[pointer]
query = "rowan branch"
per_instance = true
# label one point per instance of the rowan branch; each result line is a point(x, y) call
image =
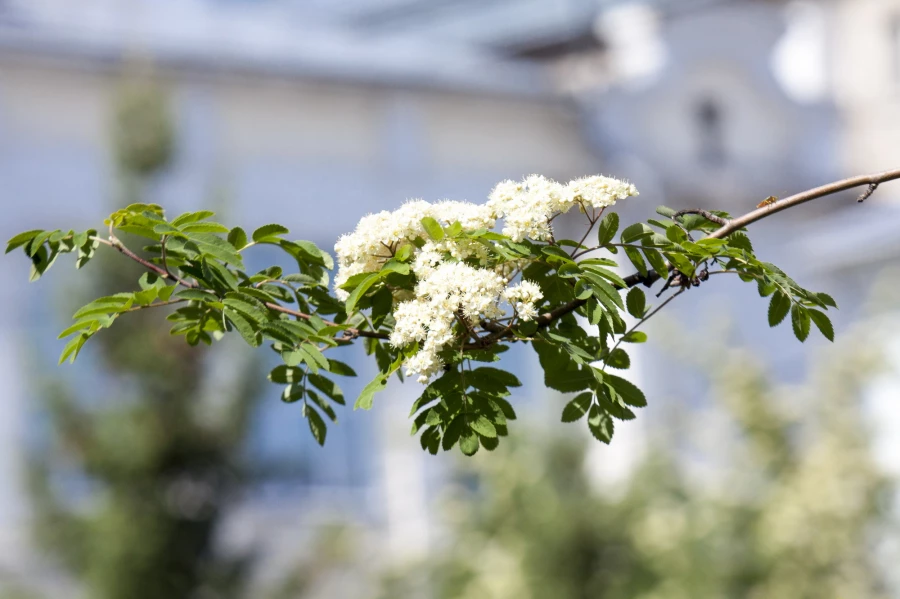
point(704, 213)
point(735, 224)
point(117, 245)
point(499, 333)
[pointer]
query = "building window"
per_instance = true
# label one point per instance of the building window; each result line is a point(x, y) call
point(710, 132)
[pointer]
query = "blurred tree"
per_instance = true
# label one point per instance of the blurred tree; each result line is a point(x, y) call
point(795, 510)
point(159, 445)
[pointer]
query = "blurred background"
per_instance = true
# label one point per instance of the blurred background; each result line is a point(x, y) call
point(763, 468)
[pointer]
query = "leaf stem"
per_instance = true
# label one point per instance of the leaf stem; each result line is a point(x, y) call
point(643, 320)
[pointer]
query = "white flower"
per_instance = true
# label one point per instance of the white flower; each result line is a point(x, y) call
point(378, 236)
point(523, 297)
point(457, 279)
point(527, 207)
point(451, 290)
point(598, 191)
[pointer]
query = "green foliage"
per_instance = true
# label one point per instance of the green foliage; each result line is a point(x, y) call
point(761, 522)
point(197, 265)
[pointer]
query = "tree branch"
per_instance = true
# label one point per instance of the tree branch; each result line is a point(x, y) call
point(704, 213)
point(873, 181)
point(118, 246)
point(544, 320)
point(803, 197)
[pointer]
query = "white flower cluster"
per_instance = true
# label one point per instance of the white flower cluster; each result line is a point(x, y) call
point(527, 206)
point(449, 289)
point(378, 235)
point(523, 297)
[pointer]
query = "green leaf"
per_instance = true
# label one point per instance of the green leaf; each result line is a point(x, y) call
point(73, 347)
point(489, 443)
point(110, 304)
point(37, 243)
point(800, 322)
point(78, 326)
point(468, 444)
point(269, 233)
point(21, 239)
point(339, 368)
point(192, 217)
point(309, 252)
point(328, 387)
point(433, 228)
point(578, 407)
point(87, 249)
point(285, 374)
point(740, 240)
point(292, 358)
point(779, 306)
point(322, 404)
point(609, 226)
point(360, 290)
point(665, 211)
point(403, 253)
point(560, 371)
point(238, 238)
point(243, 326)
point(453, 431)
point(205, 227)
point(394, 265)
point(635, 232)
point(635, 337)
point(629, 393)
point(600, 424)
point(555, 252)
point(657, 261)
point(483, 426)
point(316, 424)
point(636, 302)
point(827, 300)
point(676, 234)
point(379, 383)
point(216, 247)
point(606, 274)
point(292, 393)
point(313, 357)
point(431, 440)
point(822, 322)
point(196, 295)
point(507, 379)
point(249, 307)
point(618, 359)
point(637, 260)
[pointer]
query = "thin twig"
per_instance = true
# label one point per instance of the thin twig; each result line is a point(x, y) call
point(165, 262)
point(704, 213)
point(117, 245)
point(868, 192)
point(352, 331)
point(803, 197)
point(647, 317)
point(740, 222)
point(592, 220)
point(156, 305)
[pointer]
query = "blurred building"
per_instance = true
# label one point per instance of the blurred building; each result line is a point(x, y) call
point(312, 113)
